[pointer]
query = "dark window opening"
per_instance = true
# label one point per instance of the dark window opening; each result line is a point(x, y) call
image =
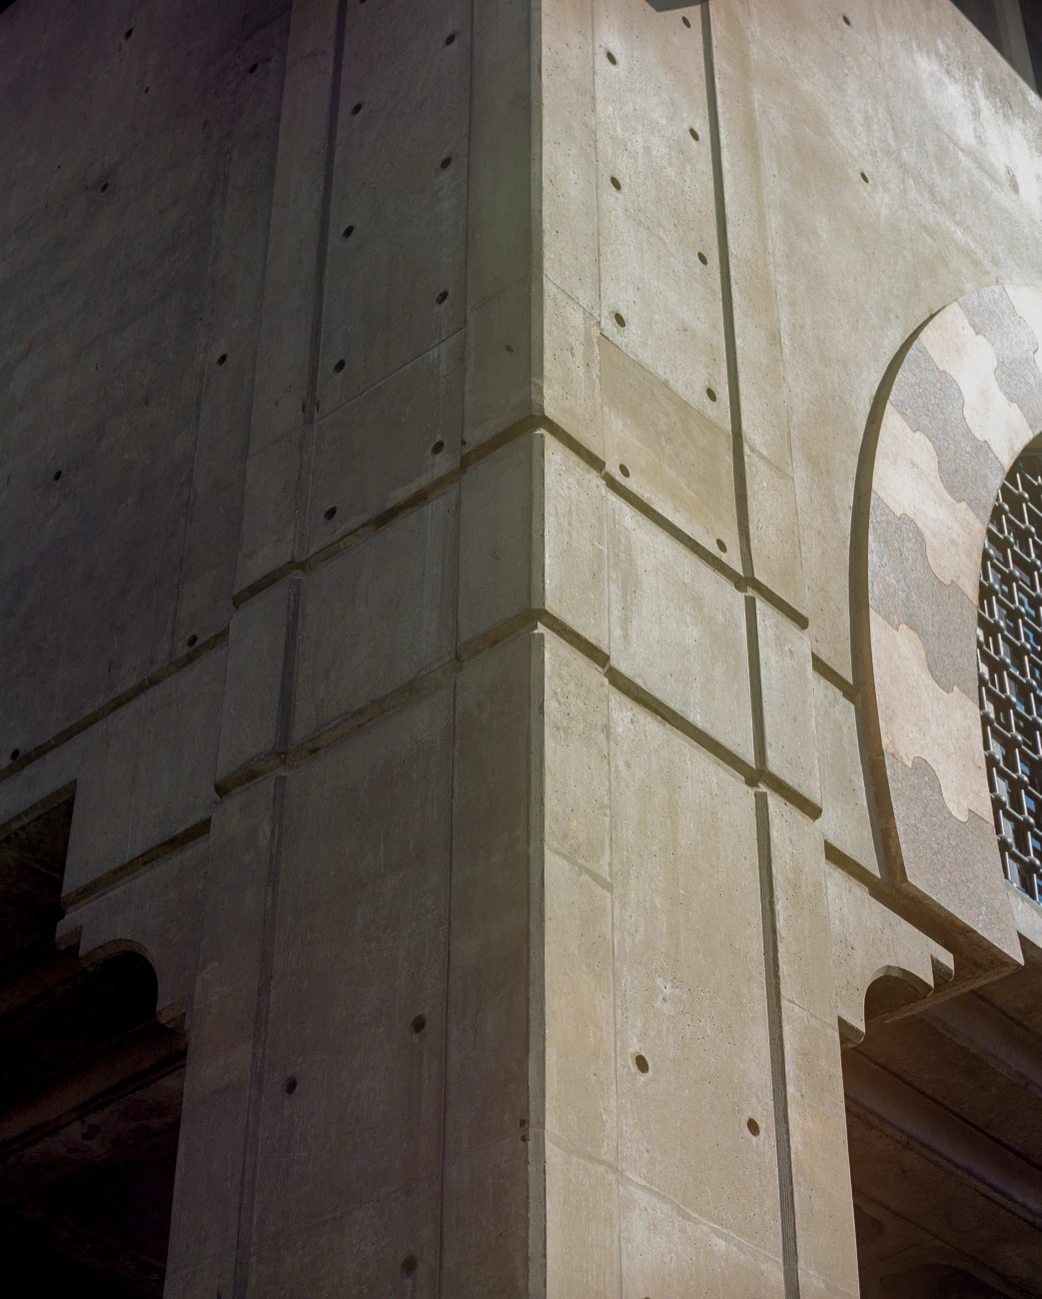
point(1014, 27)
point(90, 1094)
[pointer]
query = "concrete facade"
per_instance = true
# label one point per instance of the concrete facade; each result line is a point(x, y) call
point(488, 691)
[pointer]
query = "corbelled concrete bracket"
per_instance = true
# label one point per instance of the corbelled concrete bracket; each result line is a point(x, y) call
point(870, 942)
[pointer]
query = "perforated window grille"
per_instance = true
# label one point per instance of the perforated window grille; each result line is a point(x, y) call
point(1009, 667)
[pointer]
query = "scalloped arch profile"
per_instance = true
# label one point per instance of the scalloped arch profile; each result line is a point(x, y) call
point(960, 403)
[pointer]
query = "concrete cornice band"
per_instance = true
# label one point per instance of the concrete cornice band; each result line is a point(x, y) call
point(965, 401)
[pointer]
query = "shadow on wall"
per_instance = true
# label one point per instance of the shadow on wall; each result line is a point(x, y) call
point(90, 1094)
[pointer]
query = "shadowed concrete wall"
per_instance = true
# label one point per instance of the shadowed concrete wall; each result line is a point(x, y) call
point(444, 608)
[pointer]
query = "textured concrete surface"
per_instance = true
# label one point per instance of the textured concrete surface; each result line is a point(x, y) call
point(447, 618)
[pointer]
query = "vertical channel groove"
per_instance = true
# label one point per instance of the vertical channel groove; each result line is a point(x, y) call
point(786, 1192)
point(775, 1032)
point(726, 297)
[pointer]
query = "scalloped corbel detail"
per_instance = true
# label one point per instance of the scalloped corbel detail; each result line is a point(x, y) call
point(870, 941)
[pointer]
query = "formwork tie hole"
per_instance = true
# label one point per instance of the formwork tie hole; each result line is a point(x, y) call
point(753, 1127)
point(339, 367)
point(330, 514)
point(419, 1024)
point(641, 1063)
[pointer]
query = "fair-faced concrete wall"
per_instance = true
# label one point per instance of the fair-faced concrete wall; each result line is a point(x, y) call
point(512, 538)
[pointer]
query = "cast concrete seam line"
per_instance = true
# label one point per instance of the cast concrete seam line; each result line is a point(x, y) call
point(689, 1215)
point(776, 1038)
point(116, 876)
point(128, 696)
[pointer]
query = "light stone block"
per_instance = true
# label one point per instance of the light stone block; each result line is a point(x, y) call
point(582, 1227)
point(576, 788)
point(786, 678)
point(580, 1009)
point(253, 687)
point(678, 629)
point(845, 820)
point(668, 1254)
point(691, 993)
point(377, 616)
point(575, 543)
point(663, 213)
point(668, 453)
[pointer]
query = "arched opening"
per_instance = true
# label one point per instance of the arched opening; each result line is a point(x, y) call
point(944, 1132)
point(90, 1093)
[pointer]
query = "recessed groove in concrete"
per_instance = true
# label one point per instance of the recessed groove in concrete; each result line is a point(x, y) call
point(776, 601)
point(113, 705)
point(666, 714)
point(845, 687)
point(649, 512)
point(775, 1033)
point(118, 875)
